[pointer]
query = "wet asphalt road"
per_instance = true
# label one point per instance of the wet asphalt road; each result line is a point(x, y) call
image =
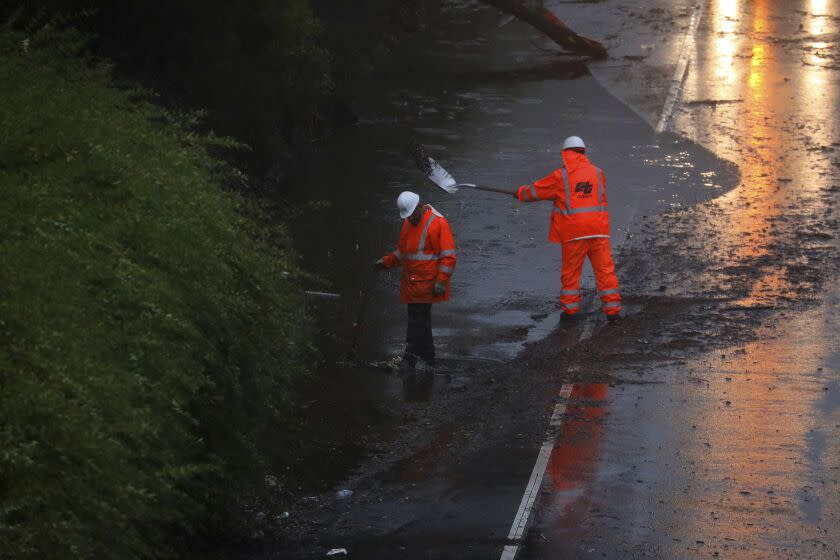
point(707, 424)
point(493, 107)
point(732, 455)
point(732, 452)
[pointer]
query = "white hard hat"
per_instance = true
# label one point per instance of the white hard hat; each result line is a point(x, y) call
point(406, 203)
point(573, 142)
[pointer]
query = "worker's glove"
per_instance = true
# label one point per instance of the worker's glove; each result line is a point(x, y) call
point(439, 288)
point(380, 264)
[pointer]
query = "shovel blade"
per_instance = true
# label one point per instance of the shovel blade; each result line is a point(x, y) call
point(441, 177)
point(435, 171)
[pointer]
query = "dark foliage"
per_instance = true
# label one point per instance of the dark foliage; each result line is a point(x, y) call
point(150, 344)
point(273, 74)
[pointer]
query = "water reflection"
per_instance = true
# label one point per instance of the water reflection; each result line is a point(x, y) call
point(758, 443)
point(572, 465)
point(818, 8)
point(758, 132)
point(776, 135)
point(725, 46)
point(759, 109)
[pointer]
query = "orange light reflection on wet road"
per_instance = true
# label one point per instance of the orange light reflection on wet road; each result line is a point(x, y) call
point(571, 467)
point(759, 419)
point(761, 104)
point(818, 23)
point(755, 90)
point(725, 46)
point(784, 104)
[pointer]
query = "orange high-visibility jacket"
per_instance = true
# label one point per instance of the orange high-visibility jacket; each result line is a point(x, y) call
point(579, 193)
point(427, 253)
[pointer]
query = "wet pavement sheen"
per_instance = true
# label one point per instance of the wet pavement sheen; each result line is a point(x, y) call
point(733, 453)
point(741, 458)
point(493, 108)
point(716, 434)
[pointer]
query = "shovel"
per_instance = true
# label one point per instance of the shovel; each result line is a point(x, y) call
point(443, 179)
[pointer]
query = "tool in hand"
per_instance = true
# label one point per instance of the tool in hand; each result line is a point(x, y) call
point(443, 179)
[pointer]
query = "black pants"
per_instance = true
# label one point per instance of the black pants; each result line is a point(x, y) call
point(418, 335)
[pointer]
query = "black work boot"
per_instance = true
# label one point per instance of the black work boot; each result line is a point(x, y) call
point(612, 319)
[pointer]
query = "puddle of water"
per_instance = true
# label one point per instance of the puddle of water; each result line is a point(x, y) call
point(451, 102)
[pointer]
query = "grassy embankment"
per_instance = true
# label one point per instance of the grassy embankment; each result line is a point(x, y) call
point(148, 343)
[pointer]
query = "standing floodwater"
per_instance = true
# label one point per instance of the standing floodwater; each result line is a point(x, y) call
point(493, 109)
point(697, 426)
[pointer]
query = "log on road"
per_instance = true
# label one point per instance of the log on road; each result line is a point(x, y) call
point(546, 22)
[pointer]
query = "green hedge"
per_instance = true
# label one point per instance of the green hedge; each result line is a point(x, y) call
point(149, 345)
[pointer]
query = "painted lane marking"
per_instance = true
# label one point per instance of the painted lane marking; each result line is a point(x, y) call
point(509, 553)
point(526, 505)
point(585, 332)
point(523, 515)
point(506, 20)
point(682, 66)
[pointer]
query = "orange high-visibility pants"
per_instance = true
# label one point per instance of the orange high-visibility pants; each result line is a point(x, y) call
point(598, 251)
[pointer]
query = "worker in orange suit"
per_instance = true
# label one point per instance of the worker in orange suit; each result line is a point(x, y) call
point(580, 221)
point(426, 251)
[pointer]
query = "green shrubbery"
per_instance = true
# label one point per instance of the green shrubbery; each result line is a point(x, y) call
point(148, 342)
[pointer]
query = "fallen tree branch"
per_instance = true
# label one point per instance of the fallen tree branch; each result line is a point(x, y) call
point(550, 25)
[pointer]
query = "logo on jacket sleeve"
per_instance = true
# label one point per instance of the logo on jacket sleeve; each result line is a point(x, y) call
point(584, 187)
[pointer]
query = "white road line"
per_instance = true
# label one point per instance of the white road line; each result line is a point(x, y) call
point(532, 490)
point(587, 328)
point(510, 552)
point(506, 20)
point(682, 67)
point(526, 505)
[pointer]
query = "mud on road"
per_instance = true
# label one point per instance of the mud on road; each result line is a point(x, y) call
point(446, 483)
point(734, 291)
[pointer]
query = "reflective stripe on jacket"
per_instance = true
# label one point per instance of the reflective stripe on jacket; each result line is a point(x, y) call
point(579, 193)
point(427, 254)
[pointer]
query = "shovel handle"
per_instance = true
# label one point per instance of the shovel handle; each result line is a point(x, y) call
point(489, 189)
point(496, 190)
